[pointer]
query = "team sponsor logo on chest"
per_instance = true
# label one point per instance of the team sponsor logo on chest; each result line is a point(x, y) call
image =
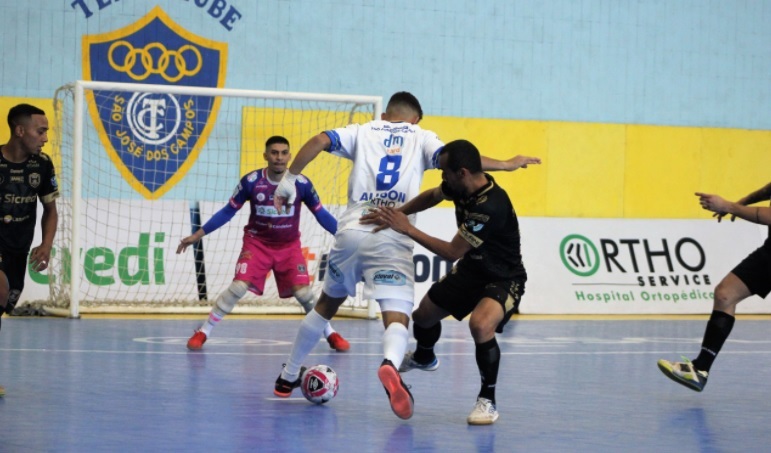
point(34, 180)
point(473, 225)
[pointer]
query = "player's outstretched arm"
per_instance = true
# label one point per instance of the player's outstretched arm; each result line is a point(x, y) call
point(515, 163)
point(326, 220)
point(427, 199)
point(399, 222)
point(721, 207)
point(762, 194)
point(220, 218)
point(286, 192)
point(186, 242)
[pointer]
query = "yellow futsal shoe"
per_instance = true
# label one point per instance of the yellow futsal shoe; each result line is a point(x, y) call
point(684, 373)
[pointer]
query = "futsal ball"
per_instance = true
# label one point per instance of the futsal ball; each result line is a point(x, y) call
point(319, 384)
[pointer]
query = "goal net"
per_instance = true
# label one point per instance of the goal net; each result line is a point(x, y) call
point(142, 166)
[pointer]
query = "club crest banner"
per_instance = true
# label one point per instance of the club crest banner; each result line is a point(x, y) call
point(153, 139)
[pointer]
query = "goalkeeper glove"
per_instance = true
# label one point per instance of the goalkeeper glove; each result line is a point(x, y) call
point(286, 189)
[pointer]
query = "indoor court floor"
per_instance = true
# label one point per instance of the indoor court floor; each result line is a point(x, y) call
point(565, 385)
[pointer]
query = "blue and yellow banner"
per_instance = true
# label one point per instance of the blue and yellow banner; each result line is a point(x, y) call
point(153, 138)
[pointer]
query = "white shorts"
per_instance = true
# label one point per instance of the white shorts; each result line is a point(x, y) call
point(382, 260)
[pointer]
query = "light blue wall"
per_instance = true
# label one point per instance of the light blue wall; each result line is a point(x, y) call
point(665, 62)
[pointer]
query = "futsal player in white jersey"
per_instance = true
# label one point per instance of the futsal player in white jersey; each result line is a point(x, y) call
point(389, 157)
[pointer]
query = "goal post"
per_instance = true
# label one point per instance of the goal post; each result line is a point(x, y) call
point(142, 166)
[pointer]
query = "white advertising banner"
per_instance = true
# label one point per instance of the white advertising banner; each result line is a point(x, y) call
point(615, 266)
point(127, 262)
point(574, 266)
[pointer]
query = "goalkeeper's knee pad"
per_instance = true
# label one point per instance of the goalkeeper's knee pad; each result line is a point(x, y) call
point(306, 298)
point(228, 298)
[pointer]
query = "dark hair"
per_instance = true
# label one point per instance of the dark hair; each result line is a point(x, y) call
point(462, 154)
point(276, 139)
point(18, 114)
point(405, 99)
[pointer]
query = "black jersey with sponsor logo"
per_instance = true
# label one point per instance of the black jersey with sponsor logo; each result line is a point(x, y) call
point(21, 184)
point(486, 219)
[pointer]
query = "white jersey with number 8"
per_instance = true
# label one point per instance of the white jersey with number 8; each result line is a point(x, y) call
point(388, 164)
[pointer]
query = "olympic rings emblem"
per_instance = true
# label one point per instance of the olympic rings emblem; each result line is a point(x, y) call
point(148, 63)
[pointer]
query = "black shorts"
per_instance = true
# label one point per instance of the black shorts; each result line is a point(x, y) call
point(755, 271)
point(459, 292)
point(14, 264)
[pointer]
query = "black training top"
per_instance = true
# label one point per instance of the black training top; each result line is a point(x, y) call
point(486, 219)
point(20, 186)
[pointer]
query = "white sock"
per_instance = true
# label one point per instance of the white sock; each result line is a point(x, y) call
point(307, 338)
point(215, 316)
point(395, 341)
point(224, 304)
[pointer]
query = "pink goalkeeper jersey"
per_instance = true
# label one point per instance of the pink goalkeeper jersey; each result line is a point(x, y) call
point(265, 223)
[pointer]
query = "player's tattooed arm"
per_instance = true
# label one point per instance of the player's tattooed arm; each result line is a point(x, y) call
point(762, 194)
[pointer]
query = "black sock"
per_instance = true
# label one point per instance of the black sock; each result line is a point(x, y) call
point(716, 333)
point(427, 338)
point(488, 358)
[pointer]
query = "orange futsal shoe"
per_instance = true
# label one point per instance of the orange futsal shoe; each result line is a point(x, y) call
point(338, 343)
point(195, 343)
point(399, 394)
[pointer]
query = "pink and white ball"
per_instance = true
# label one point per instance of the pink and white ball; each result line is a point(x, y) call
point(319, 384)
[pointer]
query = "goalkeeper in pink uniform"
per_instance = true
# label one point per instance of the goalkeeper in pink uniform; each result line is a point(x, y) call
point(271, 242)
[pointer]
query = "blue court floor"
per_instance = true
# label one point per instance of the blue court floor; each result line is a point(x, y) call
point(103, 385)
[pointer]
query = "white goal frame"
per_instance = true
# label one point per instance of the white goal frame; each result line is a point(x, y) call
point(79, 89)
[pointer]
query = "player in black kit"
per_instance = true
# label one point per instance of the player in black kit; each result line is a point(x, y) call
point(487, 282)
point(750, 277)
point(26, 174)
